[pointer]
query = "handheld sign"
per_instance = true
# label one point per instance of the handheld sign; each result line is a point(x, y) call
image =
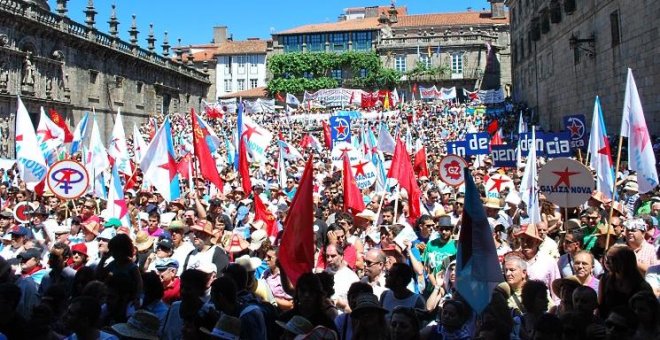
point(364, 172)
point(340, 129)
point(451, 170)
point(566, 182)
point(496, 183)
point(67, 179)
point(23, 212)
point(338, 152)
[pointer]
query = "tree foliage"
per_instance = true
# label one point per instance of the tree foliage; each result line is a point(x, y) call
point(298, 72)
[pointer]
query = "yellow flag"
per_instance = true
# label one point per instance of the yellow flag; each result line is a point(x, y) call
point(386, 103)
point(429, 52)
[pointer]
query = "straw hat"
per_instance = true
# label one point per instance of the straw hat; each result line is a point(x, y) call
point(318, 333)
point(143, 241)
point(599, 197)
point(249, 263)
point(367, 215)
point(203, 226)
point(570, 281)
point(92, 227)
point(531, 231)
point(493, 203)
point(297, 325)
point(227, 327)
point(141, 325)
point(257, 238)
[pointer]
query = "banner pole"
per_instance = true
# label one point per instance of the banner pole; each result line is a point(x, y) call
point(616, 171)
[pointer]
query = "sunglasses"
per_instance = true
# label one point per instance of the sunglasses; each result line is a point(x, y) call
point(370, 263)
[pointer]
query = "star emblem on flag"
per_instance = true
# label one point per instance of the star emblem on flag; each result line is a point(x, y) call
point(360, 168)
point(342, 129)
point(576, 128)
point(249, 130)
point(123, 209)
point(605, 150)
point(498, 183)
point(170, 166)
point(641, 135)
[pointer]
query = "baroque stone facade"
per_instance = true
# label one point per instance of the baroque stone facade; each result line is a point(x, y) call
point(54, 62)
point(567, 52)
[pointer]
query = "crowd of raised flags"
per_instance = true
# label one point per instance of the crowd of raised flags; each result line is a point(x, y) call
point(259, 196)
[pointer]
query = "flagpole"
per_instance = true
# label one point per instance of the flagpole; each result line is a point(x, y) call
point(616, 171)
point(380, 207)
point(396, 202)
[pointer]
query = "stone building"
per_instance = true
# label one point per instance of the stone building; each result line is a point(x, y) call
point(567, 52)
point(54, 62)
point(454, 44)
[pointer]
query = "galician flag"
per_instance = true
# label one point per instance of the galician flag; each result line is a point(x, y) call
point(31, 164)
point(601, 156)
point(641, 158)
point(117, 148)
point(258, 138)
point(159, 165)
point(116, 203)
point(50, 137)
point(97, 160)
point(139, 145)
point(289, 151)
point(522, 128)
point(79, 133)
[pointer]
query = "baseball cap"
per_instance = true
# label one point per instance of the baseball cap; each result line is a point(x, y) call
point(107, 234)
point(635, 224)
point(165, 243)
point(30, 253)
point(242, 212)
point(112, 222)
point(163, 264)
point(19, 231)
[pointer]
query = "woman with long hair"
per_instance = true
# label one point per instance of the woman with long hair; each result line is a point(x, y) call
point(404, 324)
point(622, 280)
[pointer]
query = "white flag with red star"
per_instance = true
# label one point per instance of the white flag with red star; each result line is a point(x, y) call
point(258, 138)
point(640, 151)
point(116, 203)
point(601, 156)
point(117, 149)
point(159, 165)
point(31, 164)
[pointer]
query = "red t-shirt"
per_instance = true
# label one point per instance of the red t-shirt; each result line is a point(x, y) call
point(172, 292)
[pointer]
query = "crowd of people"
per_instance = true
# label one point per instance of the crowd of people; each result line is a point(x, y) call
point(203, 266)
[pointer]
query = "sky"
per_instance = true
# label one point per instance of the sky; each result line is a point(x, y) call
point(193, 20)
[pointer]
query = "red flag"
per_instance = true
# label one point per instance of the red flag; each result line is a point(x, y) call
point(184, 166)
point(402, 170)
point(279, 97)
point(244, 167)
point(59, 121)
point(212, 111)
point(497, 138)
point(207, 166)
point(414, 88)
point(297, 246)
point(367, 101)
point(262, 213)
point(350, 101)
point(326, 135)
point(492, 127)
point(352, 195)
point(420, 166)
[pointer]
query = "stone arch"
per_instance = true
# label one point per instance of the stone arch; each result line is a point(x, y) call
point(28, 44)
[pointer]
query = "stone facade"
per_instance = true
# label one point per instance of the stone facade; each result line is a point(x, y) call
point(54, 62)
point(454, 42)
point(567, 52)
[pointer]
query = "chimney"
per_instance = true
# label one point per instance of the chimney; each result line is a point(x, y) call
point(497, 9)
point(219, 34)
point(371, 12)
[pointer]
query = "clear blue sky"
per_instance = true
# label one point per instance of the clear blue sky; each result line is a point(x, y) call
point(193, 20)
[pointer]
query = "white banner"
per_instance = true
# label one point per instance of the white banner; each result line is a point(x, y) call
point(335, 97)
point(491, 96)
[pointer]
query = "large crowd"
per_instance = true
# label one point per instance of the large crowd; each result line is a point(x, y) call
point(203, 266)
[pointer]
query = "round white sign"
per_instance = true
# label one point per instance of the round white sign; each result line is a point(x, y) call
point(23, 212)
point(566, 182)
point(496, 183)
point(67, 179)
point(451, 170)
point(338, 152)
point(365, 173)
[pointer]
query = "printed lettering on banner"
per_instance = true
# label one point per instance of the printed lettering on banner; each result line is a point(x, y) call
point(526, 141)
point(557, 144)
point(451, 170)
point(457, 148)
point(477, 143)
point(566, 182)
point(338, 152)
point(504, 156)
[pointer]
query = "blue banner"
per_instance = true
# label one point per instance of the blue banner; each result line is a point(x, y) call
point(551, 145)
point(340, 129)
point(477, 143)
point(456, 148)
point(576, 126)
point(504, 156)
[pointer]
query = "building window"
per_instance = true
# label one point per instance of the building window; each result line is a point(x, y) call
point(457, 63)
point(241, 60)
point(363, 72)
point(93, 76)
point(362, 41)
point(292, 43)
point(616, 32)
point(139, 87)
point(316, 42)
point(228, 87)
point(336, 74)
point(425, 60)
point(227, 65)
point(338, 41)
point(253, 83)
point(241, 84)
point(400, 63)
point(308, 75)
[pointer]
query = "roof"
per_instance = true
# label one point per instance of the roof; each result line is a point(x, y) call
point(448, 19)
point(206, 55)
point(257, 92)
point(363, 24)
point(242, 47)
point(417, 20)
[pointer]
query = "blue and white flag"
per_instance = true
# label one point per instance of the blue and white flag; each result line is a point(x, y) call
point(79, 133)
point(601, 156)
point(529, 184)
point(31, 164)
